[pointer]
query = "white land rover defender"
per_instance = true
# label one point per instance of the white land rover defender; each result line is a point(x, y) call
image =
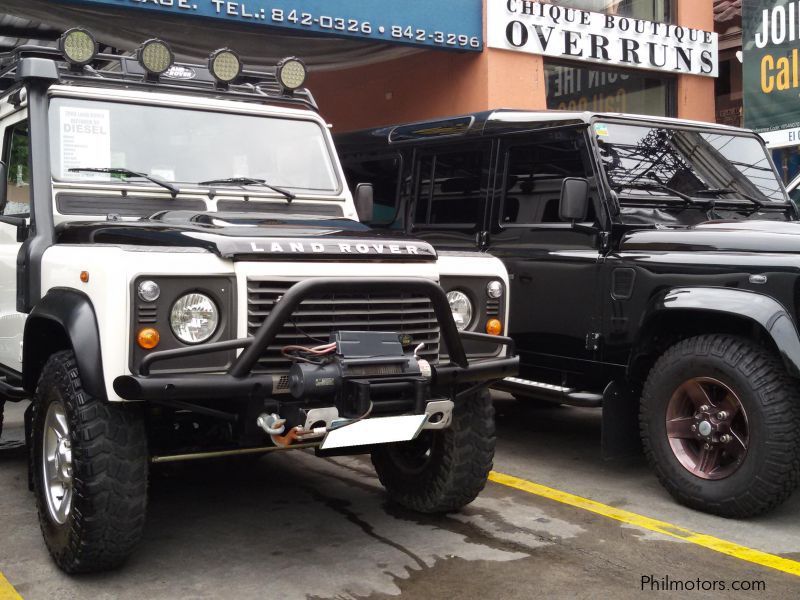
point(183, 275)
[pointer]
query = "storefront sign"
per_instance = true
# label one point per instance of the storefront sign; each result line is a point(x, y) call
point(574, 34)
point(450, 24)
point(771, 79)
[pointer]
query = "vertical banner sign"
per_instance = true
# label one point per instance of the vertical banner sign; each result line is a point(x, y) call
point(573, 34)
point(447, 24)
point(771, 73)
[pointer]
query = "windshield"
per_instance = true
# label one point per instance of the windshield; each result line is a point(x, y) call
point(186, 146)
point(660, 161)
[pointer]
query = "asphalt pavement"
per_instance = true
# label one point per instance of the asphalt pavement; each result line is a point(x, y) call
point(297, 527)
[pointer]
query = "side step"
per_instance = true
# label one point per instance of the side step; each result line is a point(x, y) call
point(549, 392)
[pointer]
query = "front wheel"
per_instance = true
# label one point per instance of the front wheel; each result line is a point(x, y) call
point(720, 425)
point(442, 470)
point(89, 463)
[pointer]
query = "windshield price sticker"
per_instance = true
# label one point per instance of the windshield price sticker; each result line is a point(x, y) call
point(85, 140)
point(454, 24)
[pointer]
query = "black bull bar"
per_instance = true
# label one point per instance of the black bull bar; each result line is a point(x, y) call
point(239, 382)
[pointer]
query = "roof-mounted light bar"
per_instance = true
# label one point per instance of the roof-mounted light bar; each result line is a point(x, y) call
point(78, 46)
point(291, 73)
point(156, 57)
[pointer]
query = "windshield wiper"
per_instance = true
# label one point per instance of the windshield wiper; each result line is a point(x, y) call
point(128, 173)
point(655, 186)
point(243, 181)
point(720, 191)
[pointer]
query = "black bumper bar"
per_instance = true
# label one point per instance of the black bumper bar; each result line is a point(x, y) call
point(239, 382)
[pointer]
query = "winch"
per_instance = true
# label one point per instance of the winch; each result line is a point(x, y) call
point(362, 371)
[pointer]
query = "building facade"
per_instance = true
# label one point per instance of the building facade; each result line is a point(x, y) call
point(430, 84)
point(374, 62)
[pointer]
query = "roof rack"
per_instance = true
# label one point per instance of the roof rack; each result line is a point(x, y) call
point(125, 71)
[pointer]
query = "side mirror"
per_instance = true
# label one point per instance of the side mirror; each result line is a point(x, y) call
point(3, 185)
point(574, 199)
point(364, 201)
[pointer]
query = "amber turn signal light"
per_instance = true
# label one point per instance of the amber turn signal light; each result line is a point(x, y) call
point(148, 338)
point(494, 327)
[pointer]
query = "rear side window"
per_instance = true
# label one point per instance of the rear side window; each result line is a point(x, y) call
point(534, 174)
point(451, 189)
point(16, 149)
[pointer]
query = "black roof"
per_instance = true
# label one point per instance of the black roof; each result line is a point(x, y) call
point(466, 125)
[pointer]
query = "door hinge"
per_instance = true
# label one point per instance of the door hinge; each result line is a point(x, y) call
point(593, 341)
point(482, 239)
point(605, 241)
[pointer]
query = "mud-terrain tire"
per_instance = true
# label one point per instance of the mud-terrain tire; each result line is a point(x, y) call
point(442, 470)
point(760, 467)
point(103, 522)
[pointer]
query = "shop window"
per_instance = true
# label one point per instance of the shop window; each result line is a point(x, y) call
point(534, 174)
point(384, 175)
point(451, 189)
point(572, 87)
point(651, 10)
point(17, 183)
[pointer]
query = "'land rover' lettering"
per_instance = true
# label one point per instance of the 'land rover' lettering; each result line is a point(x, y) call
point(270, 246)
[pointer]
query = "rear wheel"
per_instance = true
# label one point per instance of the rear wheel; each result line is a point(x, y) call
point(442, 470)
point(720, 424)
point(89, 463)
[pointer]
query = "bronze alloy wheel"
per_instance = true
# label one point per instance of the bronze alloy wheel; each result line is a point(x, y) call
point(707, 428)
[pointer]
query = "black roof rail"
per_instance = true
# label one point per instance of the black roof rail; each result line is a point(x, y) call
point(119, 70)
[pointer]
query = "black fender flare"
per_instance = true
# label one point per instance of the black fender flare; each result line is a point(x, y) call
point(763, 310)
point(71, 312)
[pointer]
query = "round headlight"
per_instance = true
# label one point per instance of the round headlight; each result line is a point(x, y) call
point(78, 46)
point(494, 289)
point(461, 307)
point(156, 56)
point(225, 65)
point(194, 318)
point(149, 291)
point(291, 73)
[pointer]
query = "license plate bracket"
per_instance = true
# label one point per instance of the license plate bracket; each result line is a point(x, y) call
point(378, 430)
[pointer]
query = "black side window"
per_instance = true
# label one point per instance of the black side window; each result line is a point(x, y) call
point(384, 174)
point(15, 154)
point(534, 174)
point(451, 189)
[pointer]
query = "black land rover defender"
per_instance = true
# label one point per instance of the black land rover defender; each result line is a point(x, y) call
point(183, 276)
point(655, 271)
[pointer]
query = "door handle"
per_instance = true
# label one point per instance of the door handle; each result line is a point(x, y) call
point(525, 279)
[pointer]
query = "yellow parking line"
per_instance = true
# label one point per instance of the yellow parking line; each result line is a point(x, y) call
point(706, 541)
point(7, 591)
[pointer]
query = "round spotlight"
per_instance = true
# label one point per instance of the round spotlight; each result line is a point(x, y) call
point(494, 289)
point(156, 57)
point(225, 65)
point(149, 291)
point(291, 73)
point(78, 46)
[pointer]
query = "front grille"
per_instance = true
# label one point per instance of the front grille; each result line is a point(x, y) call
point(318, 316)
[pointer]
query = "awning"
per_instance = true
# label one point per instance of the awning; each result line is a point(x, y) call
point(192, 39)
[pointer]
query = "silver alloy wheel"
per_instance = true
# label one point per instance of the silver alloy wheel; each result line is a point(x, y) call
point(57, 463)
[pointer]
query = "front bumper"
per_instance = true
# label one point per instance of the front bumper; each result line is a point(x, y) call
point(239, 381)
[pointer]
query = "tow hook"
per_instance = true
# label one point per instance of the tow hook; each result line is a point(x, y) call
point(275, 426)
